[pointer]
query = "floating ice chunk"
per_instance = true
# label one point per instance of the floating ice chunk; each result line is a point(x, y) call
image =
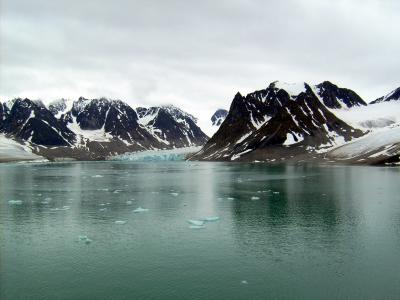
point(129, 202)
point(102, 204)
point(276, 193)
point(196, 222)
point(197, 226)
point(117, 191)
point(244, 282)
point(230, 198)
point(102, 209)
point(103, 190)
point(140, 209)
point(65, 207)
point(97, 176)
point(85, 239)
point(15, 202)
point(120, 222)
point(255, 198)
point(174, 194)
point(211, 219)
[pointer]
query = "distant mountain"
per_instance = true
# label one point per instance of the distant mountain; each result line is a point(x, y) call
point(218, 117)
point(392, 96)
point(335, 97)
point(171, 126)
point(283, 121)
point(96, 128)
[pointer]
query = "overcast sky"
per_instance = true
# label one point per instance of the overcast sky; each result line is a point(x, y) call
point(194, 54)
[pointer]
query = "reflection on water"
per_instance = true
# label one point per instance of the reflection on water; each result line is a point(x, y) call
point(289, 231)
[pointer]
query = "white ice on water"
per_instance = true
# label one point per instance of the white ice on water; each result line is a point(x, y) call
point(140, 210)
point(211, 219)
point(197, 226)
point(120, 222)
point(15, 202)
point(196, 222)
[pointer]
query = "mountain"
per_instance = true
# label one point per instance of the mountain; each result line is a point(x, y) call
point(171, 126)
point(96, 128)
point(281, 122)
point(31, 121)
point(218, 117)
point(335, 97)
point(392, 96)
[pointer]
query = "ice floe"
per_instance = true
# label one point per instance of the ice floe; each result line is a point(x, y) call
point(211, 219)
point(196, 222)
point(120, 222)
point(255, 198)
point(174, 194)
point(129, 202)
point(15, 202)
point(140, 209)
point(85, 239)
point(65, 207)
point(97, 176)
point(197, 226)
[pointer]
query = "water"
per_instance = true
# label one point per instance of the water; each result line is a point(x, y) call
point(314, 233)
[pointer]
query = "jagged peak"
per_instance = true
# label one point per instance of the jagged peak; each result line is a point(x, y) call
point(293, 89)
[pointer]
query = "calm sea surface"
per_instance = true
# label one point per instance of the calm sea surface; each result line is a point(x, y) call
point(284, 232)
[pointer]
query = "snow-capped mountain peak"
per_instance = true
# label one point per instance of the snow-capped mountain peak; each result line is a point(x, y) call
point(392, 96)
point(293, 89)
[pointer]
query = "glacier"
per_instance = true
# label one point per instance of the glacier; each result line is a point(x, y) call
point(178, 154)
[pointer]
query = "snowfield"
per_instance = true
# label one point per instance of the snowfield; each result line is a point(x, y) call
point(10, 150)
point(372, 116)
point(382, 138)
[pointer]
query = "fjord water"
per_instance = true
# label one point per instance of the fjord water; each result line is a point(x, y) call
point(284, 231)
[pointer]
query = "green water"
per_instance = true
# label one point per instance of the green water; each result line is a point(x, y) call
point(314, 233)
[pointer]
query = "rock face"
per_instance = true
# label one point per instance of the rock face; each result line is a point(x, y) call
point(282, 121)
point(334, 97)
point(96, 128)
point(171, 126)
point(392, 96)
point(218, 117)
point(33, 122)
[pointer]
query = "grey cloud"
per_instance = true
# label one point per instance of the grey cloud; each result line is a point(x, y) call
point(195, 54)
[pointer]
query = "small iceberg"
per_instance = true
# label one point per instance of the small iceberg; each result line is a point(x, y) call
point(197, 226)
point(65, 207)
point(196, 222)
point(255, 198)
point(85, 239)
point(140, 209)
point(276, 193)
point(230, 198)
point(244, 282)
point(102, 209)
point(129, 202)
point(120, 222)
point(97, 176)
point(211, 219)
point(15, 202)
point(174, 194)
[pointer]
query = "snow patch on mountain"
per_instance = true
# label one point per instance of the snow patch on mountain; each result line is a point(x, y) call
point(11, 150)
point(293, 89)
point(372, 116)
point(380, 138)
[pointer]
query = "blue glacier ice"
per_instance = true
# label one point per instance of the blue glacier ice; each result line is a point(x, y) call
point(178, 154)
